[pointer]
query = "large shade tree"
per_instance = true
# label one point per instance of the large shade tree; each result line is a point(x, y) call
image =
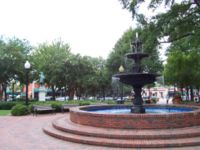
point(50, 59)
point(87, 76)
point(13, 54)
point(178, 70)
point(75, 74)
point(180, 18)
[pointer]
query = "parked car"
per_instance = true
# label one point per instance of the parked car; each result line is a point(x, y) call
point(108, 98)
point(18, 96)
point(62, 98)
point(48, 98)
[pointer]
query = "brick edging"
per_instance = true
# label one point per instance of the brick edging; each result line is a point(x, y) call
point(136, 121)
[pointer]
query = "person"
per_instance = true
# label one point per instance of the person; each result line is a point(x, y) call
point(42, 77)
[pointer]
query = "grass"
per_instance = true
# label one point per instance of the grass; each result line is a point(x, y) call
point(5, 112)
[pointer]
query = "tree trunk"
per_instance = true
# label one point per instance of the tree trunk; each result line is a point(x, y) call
point(103, 92)
point(4, 91)
point(187, 93)
point(53, 92)
point(71, 93)
point(79, 93)
point(198, 94)
point(65, 92)
point(191, 93)
point(182, 91)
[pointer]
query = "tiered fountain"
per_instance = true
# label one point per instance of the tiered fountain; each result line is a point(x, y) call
point(95, 125)
point(137, 78)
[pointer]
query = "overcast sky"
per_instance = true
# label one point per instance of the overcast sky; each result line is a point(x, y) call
point(90, 27)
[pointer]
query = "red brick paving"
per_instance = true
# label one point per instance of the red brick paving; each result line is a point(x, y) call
point(25, 133)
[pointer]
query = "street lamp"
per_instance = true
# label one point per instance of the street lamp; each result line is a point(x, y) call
point(27, 67)
point(13, 83)
point(121, 70)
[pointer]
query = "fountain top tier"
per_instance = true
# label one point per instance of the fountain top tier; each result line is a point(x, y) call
point(137, 54)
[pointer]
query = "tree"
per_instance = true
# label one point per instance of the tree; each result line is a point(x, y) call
point(117, 56)
point(13, 52)
point(133, 5)
point(88, 76)
point(102, 77)
point(80, 72)
point(178, 69)
point(51, 59)
point(74, 73)
point(179, 20)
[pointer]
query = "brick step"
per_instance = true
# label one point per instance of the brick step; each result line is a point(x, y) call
point(64, 124)
point(123, 143)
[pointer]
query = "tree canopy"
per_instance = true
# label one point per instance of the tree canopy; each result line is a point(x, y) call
point(14, 53)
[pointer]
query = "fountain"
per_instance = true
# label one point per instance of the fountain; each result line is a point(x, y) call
point(137, 78)
point(137, 126)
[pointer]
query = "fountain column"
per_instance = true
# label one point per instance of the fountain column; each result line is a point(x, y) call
point(137, 101)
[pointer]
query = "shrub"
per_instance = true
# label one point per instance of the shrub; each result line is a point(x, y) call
point(19, 110)
point(110, 102)
point(154, 100)
point(7, 105)
point(82, 103)
point(57, 106)
point(30, 108)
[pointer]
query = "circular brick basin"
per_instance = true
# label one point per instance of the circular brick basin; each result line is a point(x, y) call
point(80, 115)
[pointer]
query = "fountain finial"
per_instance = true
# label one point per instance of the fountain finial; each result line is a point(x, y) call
point(136, 35)
point(136, 44)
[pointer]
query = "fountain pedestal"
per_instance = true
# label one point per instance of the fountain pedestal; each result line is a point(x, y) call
point(138, 101)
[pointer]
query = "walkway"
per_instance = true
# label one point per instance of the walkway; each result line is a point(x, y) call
point(25, 133)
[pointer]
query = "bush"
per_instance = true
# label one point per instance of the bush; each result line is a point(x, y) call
point(110, 102)
point(19, 110)
point(7, 105)
point(154, 100)
point(30, 108)
point(82, 103)
point(57, 106)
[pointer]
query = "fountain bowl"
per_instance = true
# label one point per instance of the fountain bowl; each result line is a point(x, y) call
point(82, 115)
point(136, 78)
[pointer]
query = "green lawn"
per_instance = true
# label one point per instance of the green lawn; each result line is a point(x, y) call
point(4, 112)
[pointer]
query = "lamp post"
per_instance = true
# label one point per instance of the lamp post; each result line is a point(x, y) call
point(27, 67)
point(121, 70)
point(13, 83)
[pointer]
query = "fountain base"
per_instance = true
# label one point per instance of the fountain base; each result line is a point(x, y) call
point(137, 109)
point(84, 115)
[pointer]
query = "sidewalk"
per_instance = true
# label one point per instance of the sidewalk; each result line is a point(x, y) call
point(25, 133)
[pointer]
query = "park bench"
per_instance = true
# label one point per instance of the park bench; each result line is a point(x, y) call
point(40, 108)
point(66, 107)
point(119, 101)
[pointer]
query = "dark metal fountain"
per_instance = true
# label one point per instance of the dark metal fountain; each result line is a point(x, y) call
point(137, 78)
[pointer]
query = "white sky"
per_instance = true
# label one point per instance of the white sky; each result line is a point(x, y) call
point(90, 27)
